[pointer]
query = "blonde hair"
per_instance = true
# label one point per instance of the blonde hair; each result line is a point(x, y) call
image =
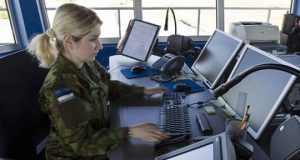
point(69, 18)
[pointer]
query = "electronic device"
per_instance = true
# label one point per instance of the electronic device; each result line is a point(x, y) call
point(285, 144)
point(181, 87)
point(294, 95)
point(138, 69)
point(139, 40)
point(168, 65)
point(217, 55)
point(204, 124)
point(251, 32)
point(271, 47)
point(263, 90)
point(289, 21)
point(178, 43)
point(218, 147)
point(174, 118)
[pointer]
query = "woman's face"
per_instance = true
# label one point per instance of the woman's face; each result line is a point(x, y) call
point(87, 48)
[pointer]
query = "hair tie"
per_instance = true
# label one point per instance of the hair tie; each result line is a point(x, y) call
point(50, 33)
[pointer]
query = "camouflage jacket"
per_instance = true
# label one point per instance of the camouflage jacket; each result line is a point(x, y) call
point(76, 102)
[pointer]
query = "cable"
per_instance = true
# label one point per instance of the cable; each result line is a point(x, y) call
point(174, 18)
point(167, 20)
point(225, 87)
point(119, 67)
point(200, 103)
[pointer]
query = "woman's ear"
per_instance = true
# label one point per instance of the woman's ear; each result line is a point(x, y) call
point(68, 42)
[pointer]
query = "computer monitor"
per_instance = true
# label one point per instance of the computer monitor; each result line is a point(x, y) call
point(218, 147)
point(139, 40)
point(263, 90)
point(219, 51)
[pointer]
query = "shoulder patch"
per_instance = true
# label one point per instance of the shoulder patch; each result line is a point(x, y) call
point(62, 91)
point(63, 94)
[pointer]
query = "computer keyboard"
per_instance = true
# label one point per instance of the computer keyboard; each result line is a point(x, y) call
point(174, 118)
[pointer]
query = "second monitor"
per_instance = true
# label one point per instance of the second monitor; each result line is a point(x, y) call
point(220, 50)
point(263, 90)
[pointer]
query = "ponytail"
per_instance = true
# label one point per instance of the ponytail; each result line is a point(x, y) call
point(44, 48)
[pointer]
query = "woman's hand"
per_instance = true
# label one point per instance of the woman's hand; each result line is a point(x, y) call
point(151, 91)
point(147, 132)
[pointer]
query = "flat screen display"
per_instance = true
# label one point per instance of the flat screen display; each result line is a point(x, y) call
point(139, 40)
point(263, 90)
point(218, 52)
point(217, 147)
point(205, 152)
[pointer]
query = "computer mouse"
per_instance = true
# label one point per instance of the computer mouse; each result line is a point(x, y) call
point(138, 69)
point(181, 87)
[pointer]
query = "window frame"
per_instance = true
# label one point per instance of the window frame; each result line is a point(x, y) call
point(137, 10)
point(13, 18)
point(17, 25)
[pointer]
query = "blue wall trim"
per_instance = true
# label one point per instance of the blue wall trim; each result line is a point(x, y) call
point(296, 8)
point(110, 49)
point(31, 17)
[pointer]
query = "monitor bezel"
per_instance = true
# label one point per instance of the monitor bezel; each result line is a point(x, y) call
point(216, 141)
point(254, 134)
point(233, 55)
point(127, 35)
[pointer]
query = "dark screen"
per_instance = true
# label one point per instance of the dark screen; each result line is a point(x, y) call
point(216, 55)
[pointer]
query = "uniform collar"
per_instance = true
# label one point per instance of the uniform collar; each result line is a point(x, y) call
point(65, 63)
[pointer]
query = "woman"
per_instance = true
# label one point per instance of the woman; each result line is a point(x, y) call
point(77, 88)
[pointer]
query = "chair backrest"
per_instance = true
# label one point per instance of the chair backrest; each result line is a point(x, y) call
point(22, 124)
point(285, 144)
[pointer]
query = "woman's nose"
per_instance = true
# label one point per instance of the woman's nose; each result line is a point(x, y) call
point(99, 46)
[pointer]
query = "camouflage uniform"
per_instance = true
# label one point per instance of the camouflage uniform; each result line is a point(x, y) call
point(76, 102)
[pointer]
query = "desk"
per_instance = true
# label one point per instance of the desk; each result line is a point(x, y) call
point(133, 111)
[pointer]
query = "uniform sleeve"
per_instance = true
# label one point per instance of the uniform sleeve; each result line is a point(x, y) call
point(118, 90)
point(70, 117)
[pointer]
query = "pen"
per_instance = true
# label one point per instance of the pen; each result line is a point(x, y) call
point(247, 110)
point(244, 123)
point(245, 117)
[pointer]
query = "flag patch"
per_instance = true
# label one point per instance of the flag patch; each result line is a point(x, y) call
point(66, 97)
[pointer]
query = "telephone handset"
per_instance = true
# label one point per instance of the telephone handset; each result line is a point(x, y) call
point(169, 63)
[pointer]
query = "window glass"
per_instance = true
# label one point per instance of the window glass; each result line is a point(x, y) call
point(6, 30)
point(179, 3)
point(193, 17)
point(271, 11)
point(109, 12)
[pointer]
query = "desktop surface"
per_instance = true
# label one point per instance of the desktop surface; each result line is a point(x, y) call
point(147, 110)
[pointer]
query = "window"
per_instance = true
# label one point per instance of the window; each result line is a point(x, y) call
point(193, 17)
point(271, 11)
point(115, 14)
point(196, 18)
point(7, 36)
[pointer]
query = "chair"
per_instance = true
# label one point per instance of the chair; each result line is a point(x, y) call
point(22, 124)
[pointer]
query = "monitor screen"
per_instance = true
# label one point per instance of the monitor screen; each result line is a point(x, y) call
point(263, 90)
point(218, 52)
point(218, 147)
point(205, 152)
point(139, 40)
